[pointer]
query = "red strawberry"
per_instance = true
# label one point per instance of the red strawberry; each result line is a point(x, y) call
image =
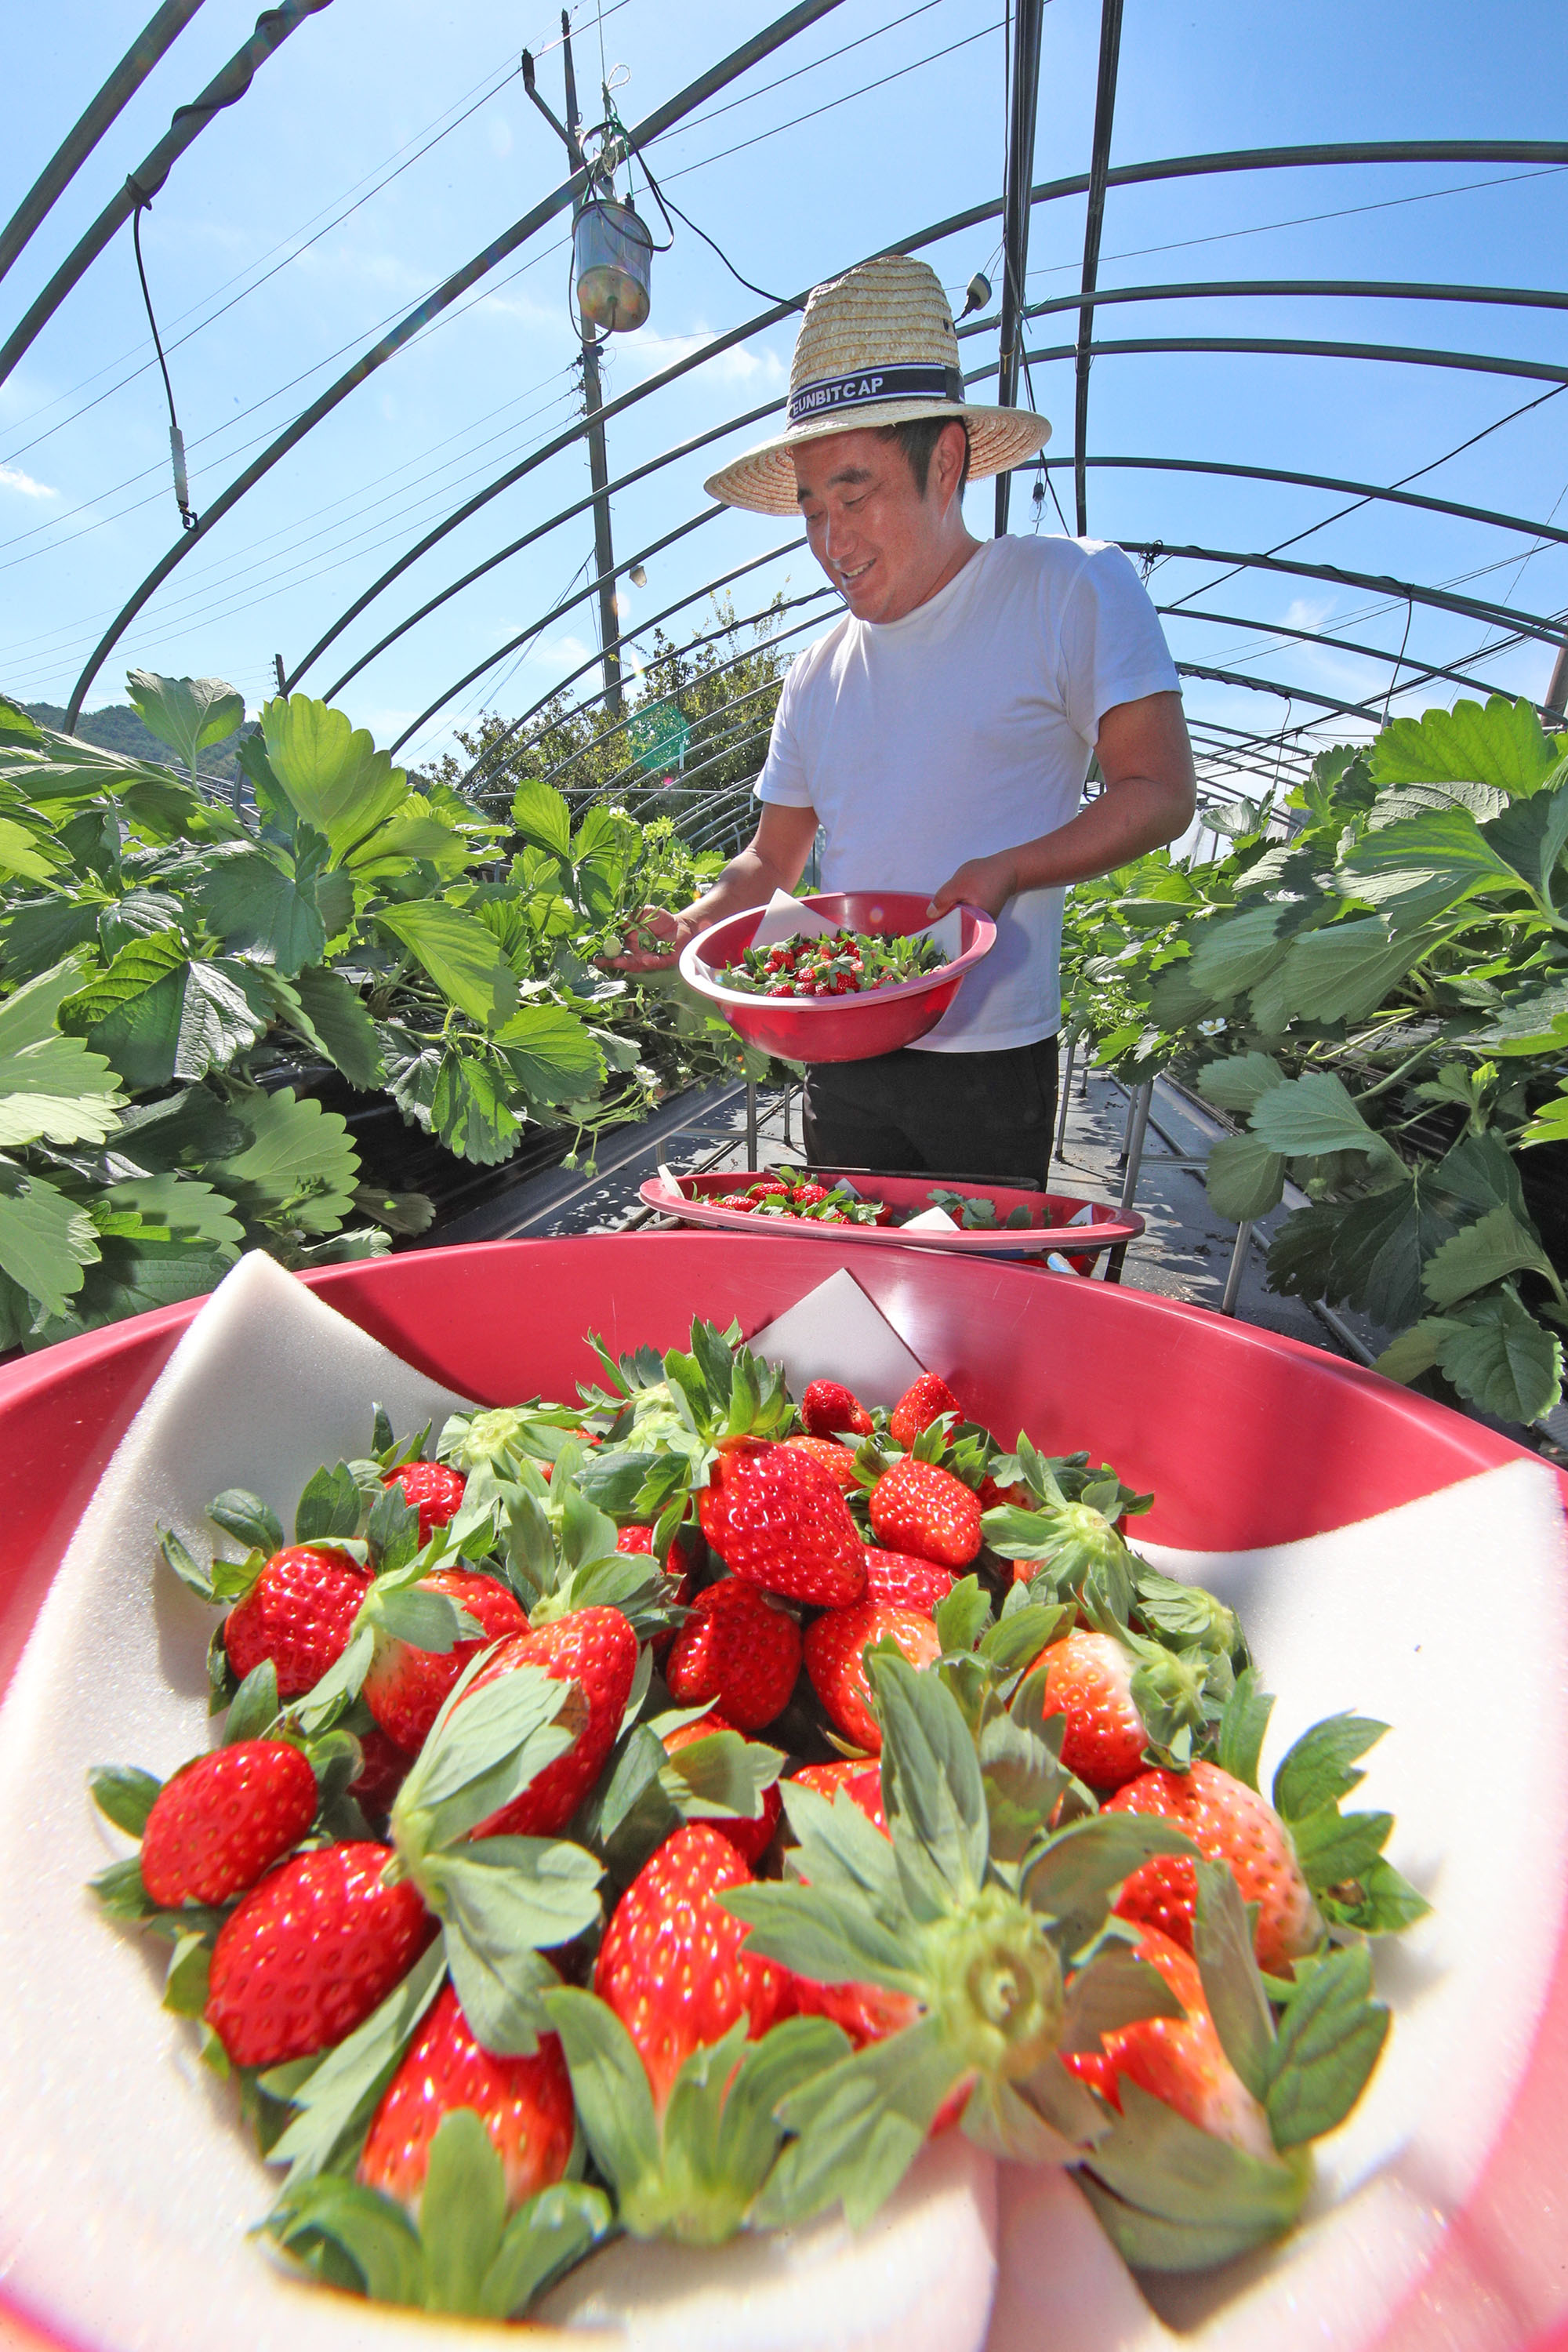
point(781, 1522)
point(307, 1954)
point(300, 1613)
point(381, 1773)
point(739, 1648)
point(433, 1489)
point(405, 1688)
point(1088, 1679)
point(768, 1188)
point(834, 1644)
point(867, 2012)
point(906, 1581)
point(223, 1820)
point(830, 1410)
point(672, 1965)
point(1177, 2059)
point(917, 1507)
point(1018, 1494)
point(922, 1403)
point(1231, 1823)
point(597, 1650)
point(635, 1538)
point(864, 1782)
point(837, 1460)
point(750, 1839)
point(806, 1196)
point(524, 2104)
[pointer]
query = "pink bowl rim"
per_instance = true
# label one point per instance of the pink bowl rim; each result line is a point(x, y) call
point(898, 992)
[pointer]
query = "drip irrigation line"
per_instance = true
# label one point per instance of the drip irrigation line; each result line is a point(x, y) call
point(176, 439)
point(226, 88)
point(561, 199)
point(161, 31)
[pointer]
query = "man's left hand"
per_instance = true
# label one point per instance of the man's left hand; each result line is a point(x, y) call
point(987, 882)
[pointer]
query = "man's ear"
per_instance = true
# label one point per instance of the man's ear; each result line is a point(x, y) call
point(947, 462)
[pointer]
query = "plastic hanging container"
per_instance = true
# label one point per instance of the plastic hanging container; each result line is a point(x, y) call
point(612, 262)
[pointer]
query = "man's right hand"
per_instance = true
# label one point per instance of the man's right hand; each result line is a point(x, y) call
point(653, 941)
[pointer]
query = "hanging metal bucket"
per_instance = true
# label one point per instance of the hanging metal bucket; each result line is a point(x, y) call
point(611, 256)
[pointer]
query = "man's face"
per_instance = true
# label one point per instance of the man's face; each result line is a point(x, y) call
point(881, 544)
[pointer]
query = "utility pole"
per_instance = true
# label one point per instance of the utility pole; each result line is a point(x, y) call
point(593, 393)
point(1025, 79)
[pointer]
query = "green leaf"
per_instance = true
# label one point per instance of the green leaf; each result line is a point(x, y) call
point(1411, 1353)
point(1502, 745)
point(131, 1012)
point(45, 1240)
point(930, 1780)
point(1330, 2038)
point(1246, 1178)
point(541, 817)
point(1173, 2198)
point(330, 1506)
point(861, 2123)
point(247, 1519)
point(963, 1615)
point(374, 2235)
point(543, 2238)
point(1311, 1115)
point(123, 1794)
point(1495, 1246)
point(1236, 1082)
point(470, 1112)
point(340, 2096)
point(332, 1015)
point(1077, 1872)
point(1416, 869)
point(132, 1277)
point(1532, 1024)
point(1341, 972)
point(333, 775)
point(484, 1747)
point(462, 2212)
point(259, 911)
point(300, 1167)
point(22, 851)
point(506, 1898)
point(722, 1776)
point(1501, 1357)
point(820, 1933)
point(1236, 950)
point(254, 1707)
point(1242, 1727)
point(53, 1089)
point(189, 714)
point(553, 1057)
point(1116, 1989)
point(1233, 1988)
point(615, 2103)
point(1550, 1123)
point(166, 1208)
point(1316, 1771)
point(185, 1985)
point(459, 954)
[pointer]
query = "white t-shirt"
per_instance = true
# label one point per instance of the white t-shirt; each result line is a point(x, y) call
point(964, 729)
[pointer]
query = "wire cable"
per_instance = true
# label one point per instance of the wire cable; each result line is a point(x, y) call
point(176, 438)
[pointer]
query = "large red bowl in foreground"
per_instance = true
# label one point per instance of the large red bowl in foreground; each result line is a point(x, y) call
point(1247, 1439)
point(838, 1028)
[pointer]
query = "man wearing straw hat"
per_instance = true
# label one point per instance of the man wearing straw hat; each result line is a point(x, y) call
point(941, 733)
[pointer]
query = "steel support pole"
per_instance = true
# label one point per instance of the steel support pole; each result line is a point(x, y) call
point(1024, 94)
point(751, 1124)
point(1233, 1274)
point(1098, 165)
point(604, 552)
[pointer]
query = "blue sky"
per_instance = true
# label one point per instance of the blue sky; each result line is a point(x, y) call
point(267, 284)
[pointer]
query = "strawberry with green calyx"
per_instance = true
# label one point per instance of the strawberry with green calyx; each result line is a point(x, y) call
point(691, 2168)
point(404, 1684)
point(500, 1437)
point(1174, 2194)
point(1069, 1548)
point(1178, 1695)
point(917, 1507)
point(720, 1778)
point(1008, 1962)
point(835, 1459)
point(464, 2255)
point(561, 1553)
point(1180, 2060)
point(927, 1400)
point(675, 1414)
point(433, 1489)
point(835, 1646)
point(738, 1648)
point(779, 1521)
point(595, 1653)
point(828, 1409)
point(224, 1819)
point(1228, 1822)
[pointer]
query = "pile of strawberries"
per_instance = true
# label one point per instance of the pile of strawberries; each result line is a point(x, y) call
point(662, 1813)
point(795, 1193)
point(842, 963)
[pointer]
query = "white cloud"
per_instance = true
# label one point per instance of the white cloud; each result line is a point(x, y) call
point(1308, 612)
point(743, 363)
point(500, 136)
point(12, 479)
point(560, 653)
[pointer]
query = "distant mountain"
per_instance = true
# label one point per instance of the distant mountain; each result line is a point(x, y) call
point(119, 727)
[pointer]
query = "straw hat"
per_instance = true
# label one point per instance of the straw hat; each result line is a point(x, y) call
point(876, 347)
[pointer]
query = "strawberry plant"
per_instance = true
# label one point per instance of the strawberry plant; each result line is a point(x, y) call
point(1379, 1003)
point(176, 970)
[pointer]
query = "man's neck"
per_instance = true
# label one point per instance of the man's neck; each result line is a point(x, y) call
point(960, 553)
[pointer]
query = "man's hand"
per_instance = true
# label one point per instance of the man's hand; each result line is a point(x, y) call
point(653, 942)
point(987, 882)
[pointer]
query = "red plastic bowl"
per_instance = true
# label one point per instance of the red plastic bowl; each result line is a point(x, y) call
point(838, 1028)
point(695, 1200)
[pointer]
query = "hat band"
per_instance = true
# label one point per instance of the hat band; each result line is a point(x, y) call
point(904, 381)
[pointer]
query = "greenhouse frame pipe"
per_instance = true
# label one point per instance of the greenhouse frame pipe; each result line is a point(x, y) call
point(1393, 290)
point(1094, 222)
point(1017, 210)
point(1338, 645)
point(616, 775)
point(593, 662)
point(663, 118)
point(1505, 617)
point(158, 35)
point(1048, 192)
point(539, 530)
point(1314, 482)
point(1285, 693)
point(226, 88)
point(1293, 347)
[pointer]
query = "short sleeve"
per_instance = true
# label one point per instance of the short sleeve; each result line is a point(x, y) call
point(783, 779)
point(1112, 646)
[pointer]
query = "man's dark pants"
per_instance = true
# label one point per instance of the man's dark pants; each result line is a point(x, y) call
point(982, 1115)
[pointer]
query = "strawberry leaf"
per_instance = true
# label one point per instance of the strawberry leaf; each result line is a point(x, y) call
point(185, 1981)
point(724, 1775)
point(543, 2238)
point(1330, 2038)
point(254, 1709)
point(1316, 1771)
point(1336, 1849)
point(123, 1795)
point(376, 2244)
point(392, 1531)
point(830, 1938)
point(1021, 1631)
point(1242, 1727)
point(1073, 1880)
point(329, 1506)
point(962, 1614)
point(861, 2123)
point(1020, 1762)
point(612, 1482)
point(425, 1621)
point(1173, 2198)
point(247, 1519)
point(337, 2096)
point(342, 1681)
point(462, 2212)
point(187, 1567)
point(1378, 1902)
point(615, 2103)
point(1233, 1987)
point(484, 1748)
point(933, 1787)
point(1116, 1989)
